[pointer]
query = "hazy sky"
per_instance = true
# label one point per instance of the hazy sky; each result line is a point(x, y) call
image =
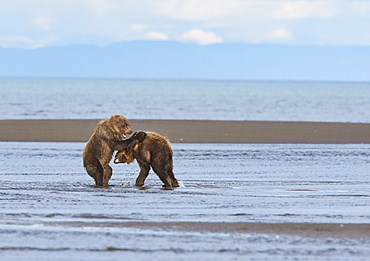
point(39, 23)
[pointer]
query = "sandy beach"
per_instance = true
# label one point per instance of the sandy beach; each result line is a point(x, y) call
point(195, 131)
point(314, 230)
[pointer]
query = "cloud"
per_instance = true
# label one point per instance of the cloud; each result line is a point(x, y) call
point(102, 22)
point(101, 6)
point(305, 9)
point(23, 41)
point(280, 35)
point(42, 22)
point(200, 37)
point(138, 27)
point(362, 8)
point(156, 36)
point(205, 10)
point(200, 10)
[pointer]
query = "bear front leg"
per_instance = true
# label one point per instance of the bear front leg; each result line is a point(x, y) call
point(144, 171)
point(136, 138)
point(129, 143)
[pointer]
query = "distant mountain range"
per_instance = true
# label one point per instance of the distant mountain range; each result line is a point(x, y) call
point(173, 60)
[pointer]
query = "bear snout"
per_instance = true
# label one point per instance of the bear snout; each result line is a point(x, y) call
point(124, 135)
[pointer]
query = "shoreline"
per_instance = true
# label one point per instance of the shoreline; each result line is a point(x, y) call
point(195, 131)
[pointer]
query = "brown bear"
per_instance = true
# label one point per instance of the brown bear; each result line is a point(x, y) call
point(154, 151)
point(107, 138)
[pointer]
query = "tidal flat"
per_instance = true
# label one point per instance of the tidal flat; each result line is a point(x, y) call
point(236, 202)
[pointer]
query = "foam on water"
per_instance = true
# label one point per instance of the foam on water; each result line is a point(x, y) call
point(181, 184)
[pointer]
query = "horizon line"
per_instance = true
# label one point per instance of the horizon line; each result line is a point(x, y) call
point(180, 79)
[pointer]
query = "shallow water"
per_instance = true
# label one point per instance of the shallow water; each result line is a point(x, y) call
point(51, 210)
point(53, 98)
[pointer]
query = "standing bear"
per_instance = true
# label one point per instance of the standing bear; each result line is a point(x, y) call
point(107, 138)
point(154, 151)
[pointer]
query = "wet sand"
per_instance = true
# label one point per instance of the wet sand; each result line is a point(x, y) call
point(314, 230)
point(195, 131)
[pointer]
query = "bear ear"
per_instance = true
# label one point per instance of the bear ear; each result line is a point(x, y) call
point(116, 116)
point(113, 122)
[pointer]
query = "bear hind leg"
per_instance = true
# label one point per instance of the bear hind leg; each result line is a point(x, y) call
point(107, 174)
point(165, 173)
point(171, 177)
point(171, 181)
point(96, 172)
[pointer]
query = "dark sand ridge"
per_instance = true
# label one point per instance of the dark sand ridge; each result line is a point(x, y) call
point(313, 230)
point(194, 131)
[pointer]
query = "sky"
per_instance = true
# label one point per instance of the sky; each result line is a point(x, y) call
point(33, 24)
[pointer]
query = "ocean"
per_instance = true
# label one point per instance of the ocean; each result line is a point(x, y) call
point(50, 209)
point(43, 98)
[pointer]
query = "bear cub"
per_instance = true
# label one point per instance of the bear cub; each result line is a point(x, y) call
point(154, 151)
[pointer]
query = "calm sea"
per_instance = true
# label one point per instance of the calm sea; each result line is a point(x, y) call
point(44, 98)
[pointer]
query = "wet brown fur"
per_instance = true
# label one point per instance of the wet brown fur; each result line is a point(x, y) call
point(154, 151)
point(107, 138)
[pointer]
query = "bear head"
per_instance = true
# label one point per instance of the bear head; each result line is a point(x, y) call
point(124, 156)
point(119, 125)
